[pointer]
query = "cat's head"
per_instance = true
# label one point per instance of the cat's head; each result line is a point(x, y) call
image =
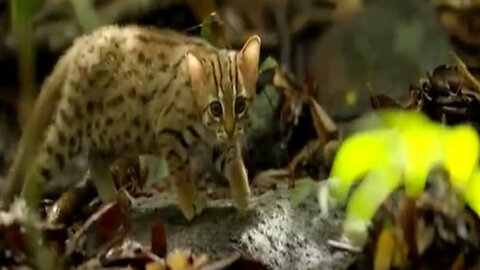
point(223, 83)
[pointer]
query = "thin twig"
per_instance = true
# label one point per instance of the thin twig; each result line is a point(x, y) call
point(344, 246)
point(462, 68)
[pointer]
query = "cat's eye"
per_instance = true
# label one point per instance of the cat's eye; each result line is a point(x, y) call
point(216, 109)
point(240, 105)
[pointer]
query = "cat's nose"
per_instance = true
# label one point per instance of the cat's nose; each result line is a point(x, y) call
point(221, 135)
point(230, 128)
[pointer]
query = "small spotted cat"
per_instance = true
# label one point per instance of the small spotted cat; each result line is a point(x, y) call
point(140, 90)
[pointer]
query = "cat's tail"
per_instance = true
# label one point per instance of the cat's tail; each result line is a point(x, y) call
point(33, 133)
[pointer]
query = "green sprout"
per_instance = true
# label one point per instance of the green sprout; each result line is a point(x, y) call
point(267, 64)
point(401, 150)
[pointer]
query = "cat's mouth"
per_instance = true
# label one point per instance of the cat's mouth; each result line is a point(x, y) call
point(223, 136)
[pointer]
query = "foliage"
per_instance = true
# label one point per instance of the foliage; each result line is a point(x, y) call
point(403, 149)
point(380, 48)
point(212, 30)
point(303, 188)
point(22, 12)
point(267, 64)
point(85, 14)
point(206, 31)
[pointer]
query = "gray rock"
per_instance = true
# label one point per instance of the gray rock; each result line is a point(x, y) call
point(272, 231)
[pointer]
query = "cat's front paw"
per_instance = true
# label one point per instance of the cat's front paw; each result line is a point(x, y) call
point(239, 186)
point(191, 208)
point(200, 203)
point(188, 210)
point(240, 200)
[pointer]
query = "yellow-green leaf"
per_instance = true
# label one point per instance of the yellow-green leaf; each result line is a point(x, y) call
point(365, 201)
point(206, 31)
point(267, 64)
point(358, 155)
point(423, 150)
point(472, 192)
point(303, 188)
point(85, 14)
point(461, 148)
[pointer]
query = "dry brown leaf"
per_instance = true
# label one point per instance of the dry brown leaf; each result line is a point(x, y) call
point(201, 9)
point(462, 68)
point(385, 249)
point(236, 261)
point(307, 151)
point(324, 126)
point(159, 239)
point(184, 260)
point(459, 263)
point(293, 99)
point(155, 266)
point(382, 101)
point(266, 179)
point(101, 231)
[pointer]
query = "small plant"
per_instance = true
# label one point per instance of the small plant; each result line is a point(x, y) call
point(401, 151)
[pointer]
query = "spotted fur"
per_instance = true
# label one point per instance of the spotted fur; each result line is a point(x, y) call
point(142, 90)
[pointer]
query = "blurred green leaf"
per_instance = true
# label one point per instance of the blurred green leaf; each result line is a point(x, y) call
point(213, 31)
point(351, 98)
point(22, 12)
point(362, 206)
point(160, 168)
point(303, 188)
point(206, 31)
point(380, 48)
point(267, 64)
point(85, 14)
point(406, 37)
point(403, 150)
point(156, 167)
point(264, 110)
point(25, 8)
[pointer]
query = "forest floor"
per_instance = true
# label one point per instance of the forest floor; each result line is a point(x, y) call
point(324, 65)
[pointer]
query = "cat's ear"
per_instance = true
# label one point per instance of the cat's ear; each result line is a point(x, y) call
point(198, 77)
point(248, 59)
point(196, 70)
